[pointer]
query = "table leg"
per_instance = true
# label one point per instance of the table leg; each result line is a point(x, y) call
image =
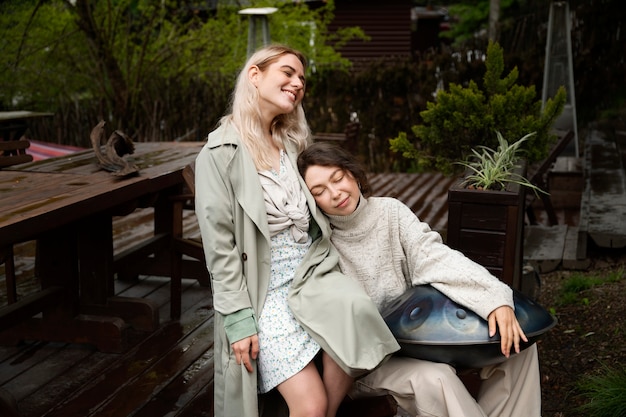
point(95, 254)
point(95, 259)
point(77, 260)
point(57, 267)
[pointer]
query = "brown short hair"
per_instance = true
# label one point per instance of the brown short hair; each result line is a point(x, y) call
point(331, 155)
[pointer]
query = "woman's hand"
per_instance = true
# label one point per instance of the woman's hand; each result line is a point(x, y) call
point(246, 350)
point(503, 319)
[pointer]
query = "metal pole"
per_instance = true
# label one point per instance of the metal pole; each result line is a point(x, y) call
point(258, 15)
point(558, 66)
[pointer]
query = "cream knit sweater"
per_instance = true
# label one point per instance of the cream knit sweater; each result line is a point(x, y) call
point(388, 249)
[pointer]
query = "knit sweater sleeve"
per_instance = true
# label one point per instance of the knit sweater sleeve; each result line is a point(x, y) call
point(430, 261)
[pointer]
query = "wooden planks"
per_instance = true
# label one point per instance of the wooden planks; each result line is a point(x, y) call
point(544, 246)
point(67, 204)
point(13, 152)
point(603, 206)
point(80, 187)
point(426, 194)
point(44, 375)
point(54, 379)
point(61, 379)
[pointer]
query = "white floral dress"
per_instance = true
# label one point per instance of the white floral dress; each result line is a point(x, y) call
point(284, 346)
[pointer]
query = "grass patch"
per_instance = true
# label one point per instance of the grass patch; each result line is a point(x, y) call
point(605, 394)
point(577, 283)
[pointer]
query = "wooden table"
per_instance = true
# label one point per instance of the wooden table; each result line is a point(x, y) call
point(67, 204)
point(13, 124)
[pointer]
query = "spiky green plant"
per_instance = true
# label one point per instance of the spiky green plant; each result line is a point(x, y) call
point(605, 393)
point(493, 169)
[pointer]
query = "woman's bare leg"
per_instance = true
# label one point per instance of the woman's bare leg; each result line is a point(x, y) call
point(336, 382)
point(305, 394)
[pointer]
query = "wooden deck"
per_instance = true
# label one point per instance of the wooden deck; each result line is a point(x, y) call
point(591, 191)
point(168, 372)
point(426, 194)
point(165, 373)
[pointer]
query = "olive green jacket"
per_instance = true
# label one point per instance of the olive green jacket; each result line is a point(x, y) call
point(331, 307)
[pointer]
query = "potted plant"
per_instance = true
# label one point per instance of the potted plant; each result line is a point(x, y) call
point(496, 169)
point(470, 120)
point(486, 208)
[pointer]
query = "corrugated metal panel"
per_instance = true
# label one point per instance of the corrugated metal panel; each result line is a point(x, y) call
point(388, 24)
point(426, 194)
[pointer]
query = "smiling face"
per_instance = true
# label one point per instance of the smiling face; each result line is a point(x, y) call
point(280, 85)
point(336, 191)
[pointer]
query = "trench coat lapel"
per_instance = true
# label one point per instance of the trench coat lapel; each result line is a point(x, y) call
point(245, 182)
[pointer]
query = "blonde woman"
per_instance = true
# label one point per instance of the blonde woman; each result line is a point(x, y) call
point(280, 301)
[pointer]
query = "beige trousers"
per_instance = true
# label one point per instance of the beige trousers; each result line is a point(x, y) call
point(423, 388)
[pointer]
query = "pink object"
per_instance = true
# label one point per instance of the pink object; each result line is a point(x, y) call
point(43, 150)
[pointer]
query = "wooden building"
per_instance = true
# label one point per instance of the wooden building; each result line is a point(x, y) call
point(387, 24)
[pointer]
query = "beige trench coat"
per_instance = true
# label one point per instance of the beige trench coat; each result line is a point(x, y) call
point(333, 308)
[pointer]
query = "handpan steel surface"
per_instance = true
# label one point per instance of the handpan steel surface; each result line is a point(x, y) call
point(428, 325)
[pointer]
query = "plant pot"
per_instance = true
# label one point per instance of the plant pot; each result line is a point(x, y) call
point(488, 227)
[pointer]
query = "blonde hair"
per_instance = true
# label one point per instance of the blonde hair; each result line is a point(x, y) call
point(245, 113)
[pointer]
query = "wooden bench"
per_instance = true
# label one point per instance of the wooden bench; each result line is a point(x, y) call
point(13, 144)
point(183, 246)
point(13, 152)
point(272, 404)
point(349, 138)
point(375, 406)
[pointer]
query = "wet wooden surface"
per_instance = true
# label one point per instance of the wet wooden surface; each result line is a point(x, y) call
point(603, 207)
point(67, 205)
point(169, 369)
point(168, 372)
point(426, 194)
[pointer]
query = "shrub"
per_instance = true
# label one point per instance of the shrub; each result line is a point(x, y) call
point(464, 118)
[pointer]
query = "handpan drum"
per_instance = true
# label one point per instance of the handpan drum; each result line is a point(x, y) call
point(430, 326)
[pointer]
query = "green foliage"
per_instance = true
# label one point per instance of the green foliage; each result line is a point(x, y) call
point(463, 118)
point(492, 169)
point(305, 29)
point(580, 282)
point(472, 17)
point(615, 276)
point(157, 70)
point(383, 94)
point(605, 393)
point(31, 71)
point(577, 283)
